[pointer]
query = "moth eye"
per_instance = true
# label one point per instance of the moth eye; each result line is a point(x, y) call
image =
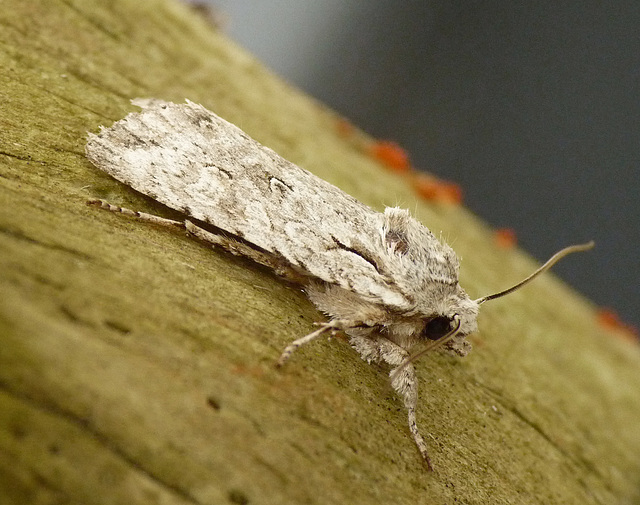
point(437, 328)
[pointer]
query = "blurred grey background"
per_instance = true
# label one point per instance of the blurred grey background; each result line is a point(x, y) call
point(532, 107)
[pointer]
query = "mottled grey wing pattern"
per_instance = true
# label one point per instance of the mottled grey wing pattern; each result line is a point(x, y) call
point(193, 161)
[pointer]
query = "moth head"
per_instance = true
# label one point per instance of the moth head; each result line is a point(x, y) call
point(459, 318)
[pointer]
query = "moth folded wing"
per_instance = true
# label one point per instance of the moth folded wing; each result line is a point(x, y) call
point(193, 161)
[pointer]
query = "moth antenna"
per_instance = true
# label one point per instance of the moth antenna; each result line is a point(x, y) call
point(550, 262)
point(429, 347)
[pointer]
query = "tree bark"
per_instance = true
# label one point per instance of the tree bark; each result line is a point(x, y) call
point(136, 364)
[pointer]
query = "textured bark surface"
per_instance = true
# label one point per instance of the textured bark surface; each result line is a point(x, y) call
point(136, 365)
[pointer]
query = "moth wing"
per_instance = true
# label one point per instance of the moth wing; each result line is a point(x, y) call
point(193, 161)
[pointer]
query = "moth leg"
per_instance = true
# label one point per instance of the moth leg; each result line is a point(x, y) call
point(143, 216)
point(231, 245)
point(226, 242)
point(405, 383)
point(238, 248)
point(331, 326)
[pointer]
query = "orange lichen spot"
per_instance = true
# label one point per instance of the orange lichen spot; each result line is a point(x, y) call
point(344, 128)
point(391, 154)
point(505, 238)
point(434, 189)
point(426, 186)
point(609, 319)
point(451, 192)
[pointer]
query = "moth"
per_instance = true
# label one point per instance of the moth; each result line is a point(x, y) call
point(382, 278)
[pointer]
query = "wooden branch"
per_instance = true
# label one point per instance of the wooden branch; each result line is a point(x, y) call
point(136, 364)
